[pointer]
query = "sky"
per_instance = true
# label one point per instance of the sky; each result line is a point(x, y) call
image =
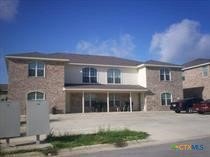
point(174, 31)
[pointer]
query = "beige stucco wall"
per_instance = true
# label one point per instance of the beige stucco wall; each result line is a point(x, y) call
point(129, 76)
point(194, 78)
point(142, 77)
point(52, 84)
point(73, 74)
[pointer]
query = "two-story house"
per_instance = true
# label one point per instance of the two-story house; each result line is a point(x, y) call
point(74, 83)
point(196, 78)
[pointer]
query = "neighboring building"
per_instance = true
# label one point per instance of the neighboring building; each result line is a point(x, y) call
point(73, 83)
point(196, 75)
point(3, 92)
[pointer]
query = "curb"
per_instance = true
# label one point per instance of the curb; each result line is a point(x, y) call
point(106, 147)
point(110, 147)
point(32, 148)
point(28, 147)
point(101, 147)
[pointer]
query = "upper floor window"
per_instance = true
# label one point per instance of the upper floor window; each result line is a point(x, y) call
point(205, 70)
point(166, 98)
point(36, 96)
point(36, 68)
point(89, 75)
point(165, 74)
point(113, 76)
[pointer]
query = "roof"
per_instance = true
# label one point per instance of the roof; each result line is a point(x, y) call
point(154, 62)
point(4, 87)
point(88, 59)
point(109, 87)
point(196, 62)
point(81, 58)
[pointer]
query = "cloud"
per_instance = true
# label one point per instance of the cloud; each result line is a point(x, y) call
point(181, 42)
point(121, 47)
point(8, 9)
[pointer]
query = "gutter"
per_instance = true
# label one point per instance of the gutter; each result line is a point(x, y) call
point(156, 65)
point(103, 65)
point(196, 66)
point(36, 58)
point(104, 89)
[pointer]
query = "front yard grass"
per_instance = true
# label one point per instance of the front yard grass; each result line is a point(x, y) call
point(117, 137)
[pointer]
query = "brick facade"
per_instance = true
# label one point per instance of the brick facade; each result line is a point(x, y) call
point(156, 87)
point(195, 84)
point(20, 83)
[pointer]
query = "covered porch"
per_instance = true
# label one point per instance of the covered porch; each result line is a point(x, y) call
point(104, 98)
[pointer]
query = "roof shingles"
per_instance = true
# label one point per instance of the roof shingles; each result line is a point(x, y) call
point(91, 59)
point(154, 62)
point(196, 62)
point(82, 58)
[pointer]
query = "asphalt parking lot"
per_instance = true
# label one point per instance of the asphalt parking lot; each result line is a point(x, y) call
point(163, 126)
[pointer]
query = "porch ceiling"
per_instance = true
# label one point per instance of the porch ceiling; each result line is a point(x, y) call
point(104, 87)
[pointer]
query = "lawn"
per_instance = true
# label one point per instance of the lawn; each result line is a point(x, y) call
point(117, 137)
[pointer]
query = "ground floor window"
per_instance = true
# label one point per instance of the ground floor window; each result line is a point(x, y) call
point(114, 101)
point(90, 100)
point(166, 98)
point(36, 96)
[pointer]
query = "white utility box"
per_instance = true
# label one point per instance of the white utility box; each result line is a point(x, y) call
point(37, 118)
point(9, 119)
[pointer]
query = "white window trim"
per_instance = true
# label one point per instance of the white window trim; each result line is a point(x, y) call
point(113, 78)
point(164, 74)
point(36, 68)
point(89, 75)
point(44, 98)
point(165, 99)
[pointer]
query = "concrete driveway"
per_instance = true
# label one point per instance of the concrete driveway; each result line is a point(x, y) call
point(163, 126)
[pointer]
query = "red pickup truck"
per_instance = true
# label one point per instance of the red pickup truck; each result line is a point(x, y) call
point(202, 107)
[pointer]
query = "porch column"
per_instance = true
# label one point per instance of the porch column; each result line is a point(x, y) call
point(131, 109)
point(143, 99)
point(145, 103)
point(107, 101)
point(83, 102)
